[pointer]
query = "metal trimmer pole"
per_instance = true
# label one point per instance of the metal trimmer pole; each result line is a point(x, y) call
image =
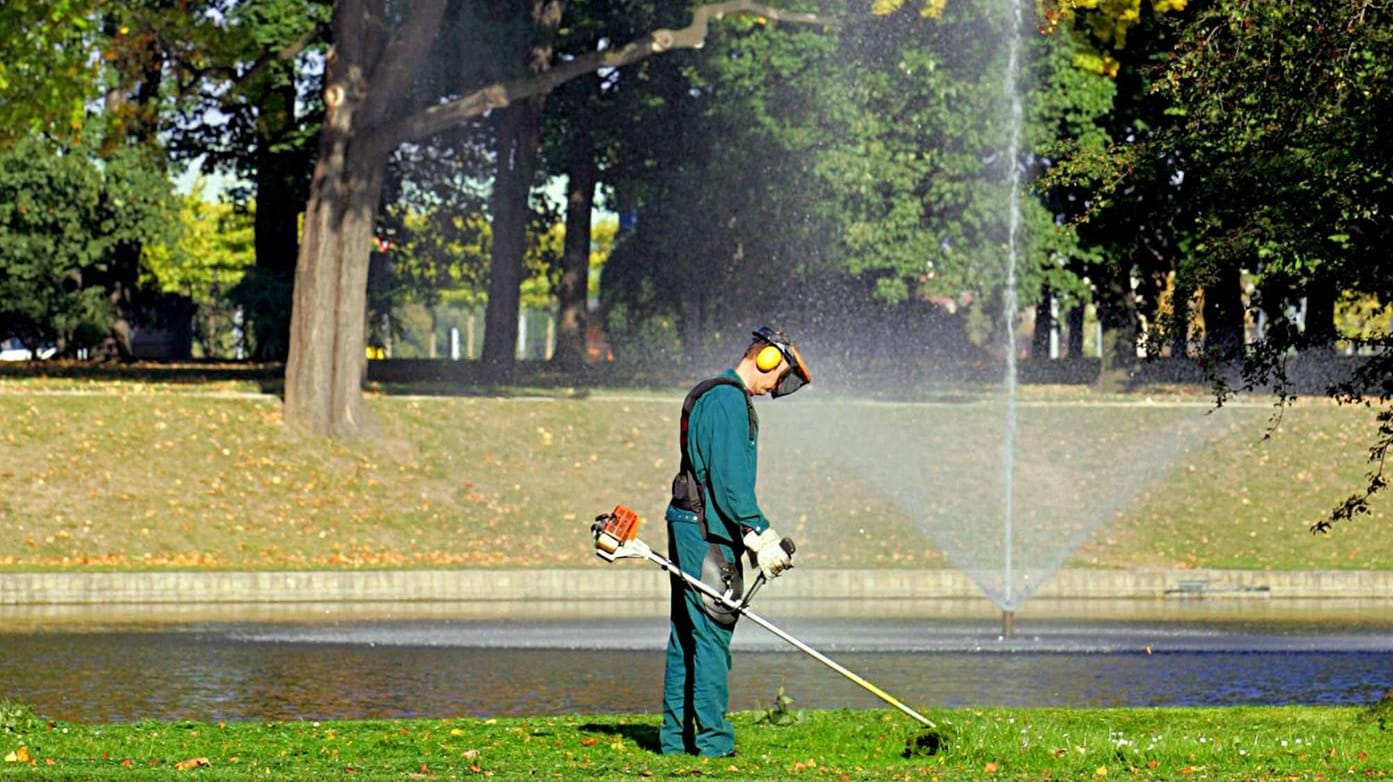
point(704, 588)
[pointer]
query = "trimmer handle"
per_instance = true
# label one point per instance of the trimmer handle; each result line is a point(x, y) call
point(787, 545)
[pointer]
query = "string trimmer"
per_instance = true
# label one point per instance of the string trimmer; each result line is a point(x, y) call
point(616, 537)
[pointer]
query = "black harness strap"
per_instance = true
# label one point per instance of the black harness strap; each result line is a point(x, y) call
point(724, 575)
point(686, 489)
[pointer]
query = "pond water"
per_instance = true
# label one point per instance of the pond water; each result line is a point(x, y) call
point(450, 661)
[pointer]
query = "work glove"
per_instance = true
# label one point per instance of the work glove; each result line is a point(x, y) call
point(768, 555)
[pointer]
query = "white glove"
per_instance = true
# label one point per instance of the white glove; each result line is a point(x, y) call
point(768, 555)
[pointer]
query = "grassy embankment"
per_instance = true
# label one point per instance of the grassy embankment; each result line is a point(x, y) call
point(119, 475)
point(997, 743)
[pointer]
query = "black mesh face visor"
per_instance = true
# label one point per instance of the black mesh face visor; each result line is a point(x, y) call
point(797, 374)
point(790, 383)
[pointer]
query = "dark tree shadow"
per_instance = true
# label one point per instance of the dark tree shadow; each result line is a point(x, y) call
point(645, 736)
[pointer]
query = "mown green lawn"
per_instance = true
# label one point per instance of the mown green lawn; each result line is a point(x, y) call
point(1305, 743)
point(121, 475)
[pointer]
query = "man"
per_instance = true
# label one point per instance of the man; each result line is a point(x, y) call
point(712, 520)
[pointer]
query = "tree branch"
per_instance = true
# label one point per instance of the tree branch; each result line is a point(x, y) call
point(194, 74)
point(438, 118)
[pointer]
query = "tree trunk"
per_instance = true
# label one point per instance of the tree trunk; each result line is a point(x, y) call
point(279, 198)
point(327, 359)
point(131, 104)
point(1320, 315)
point(519, 138)
point(1117, 312)
point(1073, 322)
point(1223, 313)
point(516, 152)
point(572, 295)
point(1178, 333)
point(1044, 325)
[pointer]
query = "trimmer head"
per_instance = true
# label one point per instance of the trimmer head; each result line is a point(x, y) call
point(613, 531)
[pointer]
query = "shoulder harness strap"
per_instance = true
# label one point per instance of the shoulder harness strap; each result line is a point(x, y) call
point(690, 402)
point(686, 489)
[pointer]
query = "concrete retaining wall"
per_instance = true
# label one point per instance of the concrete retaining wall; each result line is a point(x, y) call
point(646, 583)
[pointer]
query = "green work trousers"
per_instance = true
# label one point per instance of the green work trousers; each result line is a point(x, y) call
point(696, 682)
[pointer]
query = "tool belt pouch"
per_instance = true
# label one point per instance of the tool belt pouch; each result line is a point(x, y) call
point(726, 577)
point(686, 492)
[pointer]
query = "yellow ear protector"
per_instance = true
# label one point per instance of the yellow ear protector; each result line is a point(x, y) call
point(769, 358)
point(776, 349)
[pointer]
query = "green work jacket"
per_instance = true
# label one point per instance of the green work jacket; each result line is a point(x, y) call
point(725, 459)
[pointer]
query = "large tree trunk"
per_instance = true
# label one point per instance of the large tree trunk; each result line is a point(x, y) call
point(324, 372)
point(573, 306)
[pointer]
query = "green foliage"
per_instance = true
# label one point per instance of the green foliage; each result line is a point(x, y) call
point(47, 67)
point(819, 174)
point(243, 106)
point(1278, 119)
point(779, 712)
point(715, 163)
point(62, 217)
point(212, 255)
point(16, 717)
point(1281, 115)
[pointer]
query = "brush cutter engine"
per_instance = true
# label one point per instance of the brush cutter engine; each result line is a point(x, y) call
point(616, 534)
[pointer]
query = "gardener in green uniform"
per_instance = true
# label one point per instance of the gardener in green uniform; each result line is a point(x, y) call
point(712, 520)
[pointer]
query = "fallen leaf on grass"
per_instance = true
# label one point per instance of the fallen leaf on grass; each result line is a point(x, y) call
point(192, 763)
point(20, 755)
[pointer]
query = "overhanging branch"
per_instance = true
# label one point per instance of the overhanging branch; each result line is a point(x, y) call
point(438, 118)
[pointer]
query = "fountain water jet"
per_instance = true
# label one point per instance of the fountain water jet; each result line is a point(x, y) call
point(1015, 173)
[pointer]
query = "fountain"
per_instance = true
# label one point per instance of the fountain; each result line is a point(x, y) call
point(1008, 518)
point(1015, 173)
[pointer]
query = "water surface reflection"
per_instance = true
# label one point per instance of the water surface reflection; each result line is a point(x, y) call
point(487, 660)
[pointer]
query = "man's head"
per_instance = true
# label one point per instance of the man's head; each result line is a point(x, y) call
point(772, 364)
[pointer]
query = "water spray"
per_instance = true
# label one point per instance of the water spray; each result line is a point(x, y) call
point(1009, 306)
point(616, 537)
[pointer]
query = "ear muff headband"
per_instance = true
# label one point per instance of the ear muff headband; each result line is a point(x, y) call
point(769, 358)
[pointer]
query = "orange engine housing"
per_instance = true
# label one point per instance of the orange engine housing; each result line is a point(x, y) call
point(617, 528)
